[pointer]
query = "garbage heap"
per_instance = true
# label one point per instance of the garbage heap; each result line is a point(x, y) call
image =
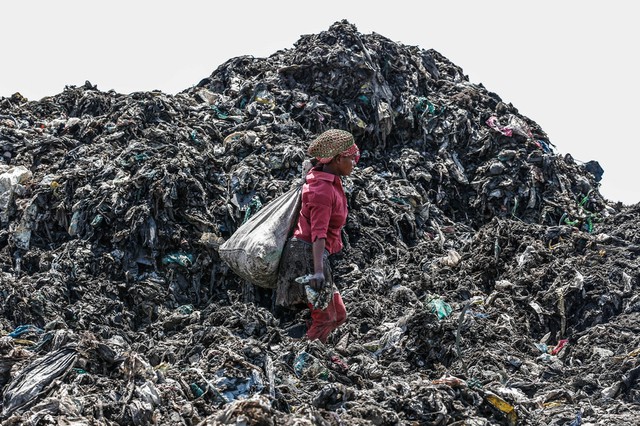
point(486, 279)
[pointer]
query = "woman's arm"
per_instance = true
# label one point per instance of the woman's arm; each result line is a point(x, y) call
point(318, 265)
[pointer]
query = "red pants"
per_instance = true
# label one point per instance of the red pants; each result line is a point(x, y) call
point(324, 322)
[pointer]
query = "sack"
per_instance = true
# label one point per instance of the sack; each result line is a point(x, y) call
point(254, 250)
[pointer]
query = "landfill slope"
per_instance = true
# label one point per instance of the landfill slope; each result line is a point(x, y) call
point(486, 279)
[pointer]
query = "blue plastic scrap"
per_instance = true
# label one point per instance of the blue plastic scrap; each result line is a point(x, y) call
point(23, 329)
point(299, 363)
point(578, 420)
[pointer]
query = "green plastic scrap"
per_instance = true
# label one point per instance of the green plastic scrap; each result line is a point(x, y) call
point(221, 115)
point(474, 383)
point(588, 225)
point(423, 106)
point(97, 220)
point(254, 205)
point(439, 307)
point(197, 390)
point(181, 258)
point(565, 219)
point(588, 221)
point(515, 208)
point(185, 309)
point(399, 200)
point(194, 137)
point(585, 199)
point(300, 362)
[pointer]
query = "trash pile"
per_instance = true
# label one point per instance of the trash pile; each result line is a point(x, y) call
point(486, 279)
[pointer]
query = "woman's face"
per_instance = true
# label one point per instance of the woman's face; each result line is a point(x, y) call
point(345, 164)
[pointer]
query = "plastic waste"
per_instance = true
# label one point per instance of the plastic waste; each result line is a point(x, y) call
point(36, 379)
point(502, 405)
point(254, 206)
point(439, 307)
point(180, 258)
point(306, 365)
point(559, 346)
point(197, 390)
point(263, 96)
point(578, 420)
point(300, 362)
point(304, 279)
point(10, 178)
point(23, 329)
point(319, 299)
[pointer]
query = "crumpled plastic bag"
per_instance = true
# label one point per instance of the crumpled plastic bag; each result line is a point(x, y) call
point(35, 380)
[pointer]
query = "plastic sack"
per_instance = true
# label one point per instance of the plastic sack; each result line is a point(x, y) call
point(253, 252)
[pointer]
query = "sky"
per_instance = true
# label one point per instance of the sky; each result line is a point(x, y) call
point(571, 66)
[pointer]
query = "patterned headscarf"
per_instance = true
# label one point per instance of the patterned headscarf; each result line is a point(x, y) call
point(331, 143)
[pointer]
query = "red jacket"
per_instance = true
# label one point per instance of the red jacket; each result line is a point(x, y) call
point(324, 210)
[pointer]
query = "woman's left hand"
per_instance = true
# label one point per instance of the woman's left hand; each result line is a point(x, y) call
point(317, 281)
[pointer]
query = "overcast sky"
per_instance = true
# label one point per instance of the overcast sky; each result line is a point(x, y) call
point(571, 66)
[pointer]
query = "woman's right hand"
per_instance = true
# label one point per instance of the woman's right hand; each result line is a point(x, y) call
point(317, 281)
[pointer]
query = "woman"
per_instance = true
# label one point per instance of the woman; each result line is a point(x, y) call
point(318, 233)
